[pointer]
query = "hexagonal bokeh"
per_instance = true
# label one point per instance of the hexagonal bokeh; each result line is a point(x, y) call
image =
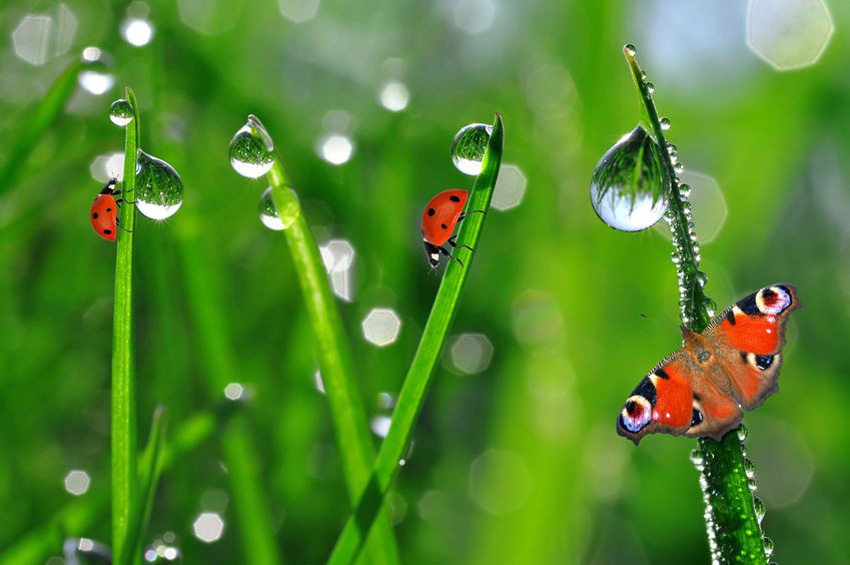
point(471, 353)
point(234, 391)
point(499, 481)
point(510, 188)
point(210, 16)
point(298, 11)
point(381, 326)
point(77, 482)
point(708, 207)
point(105, 167)
point(788, 34)
point(208, 527)
point(31, 38)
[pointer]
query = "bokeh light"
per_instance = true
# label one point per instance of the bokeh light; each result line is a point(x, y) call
point(708, 206)
point(77, 482)
point(510, 188)
point(335, 148)
point(789, 34)
point(208, 527)
point(471, 353)
point(394, 96)
point(499, 481)
point(298, 11)
point(381, 326)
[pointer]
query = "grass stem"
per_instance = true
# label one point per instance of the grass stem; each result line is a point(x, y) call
point(418, 380)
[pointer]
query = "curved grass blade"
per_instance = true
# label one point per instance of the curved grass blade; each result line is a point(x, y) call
point(124, 452)
point(347, 410)
point(733, 526)
point(37, 122)
point(413, 392)
point(150, 466)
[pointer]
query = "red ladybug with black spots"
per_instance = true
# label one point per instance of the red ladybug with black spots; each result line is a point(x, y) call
point(439, 219)
point(104, 211)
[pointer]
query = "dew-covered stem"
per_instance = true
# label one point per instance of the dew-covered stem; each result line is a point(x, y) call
point(124, 453)
point(418, 379)
point(732, 515)
point(346, 404)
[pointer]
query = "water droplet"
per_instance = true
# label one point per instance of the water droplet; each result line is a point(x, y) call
point(252, 149)
point(758, 506)
point(630, 50)
point(697, 458)
point(629, 187)
point(650, 87)
point(742, 432)
point(702, 278)
point(121, 113)
point(269, 214)
point(159, 189)
point(709, 303)
point(665, 123)
point(749, 468)
point(678, 168)
point(768, 546)
point(469, 146)
point(751, 484)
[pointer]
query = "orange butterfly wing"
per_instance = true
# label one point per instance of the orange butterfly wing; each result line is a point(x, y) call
point(749, 337)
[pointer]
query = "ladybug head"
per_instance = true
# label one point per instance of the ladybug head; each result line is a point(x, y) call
point(110, 186)
point(432, 253)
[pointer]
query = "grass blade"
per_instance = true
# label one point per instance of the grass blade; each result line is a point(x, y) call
point(150, 467)
point(124, 451)
point(347, 410)
point(37, 122)
point(418, 379)
point(732, 524)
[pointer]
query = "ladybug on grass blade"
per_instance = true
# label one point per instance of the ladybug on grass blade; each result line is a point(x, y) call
point(104, 211)
point(439, 219)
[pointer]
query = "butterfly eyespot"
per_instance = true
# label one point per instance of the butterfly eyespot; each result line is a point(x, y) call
point(696, 418)
point(636, 413)
point(773, 300)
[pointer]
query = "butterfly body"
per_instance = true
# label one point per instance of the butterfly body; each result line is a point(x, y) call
point(701, 389)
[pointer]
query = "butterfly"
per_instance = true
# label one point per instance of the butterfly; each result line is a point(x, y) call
point(699, 390)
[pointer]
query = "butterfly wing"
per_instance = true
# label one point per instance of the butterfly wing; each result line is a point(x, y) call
point(749, 337)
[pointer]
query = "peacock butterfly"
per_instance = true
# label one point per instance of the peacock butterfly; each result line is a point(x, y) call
point(699, 390)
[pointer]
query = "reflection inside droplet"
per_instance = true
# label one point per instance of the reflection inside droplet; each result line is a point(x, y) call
point(159, 189)
point(469, 146)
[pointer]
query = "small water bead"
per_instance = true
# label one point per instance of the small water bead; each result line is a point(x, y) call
point(749, 468)
point(665, 123)
point(630, 50)
point(469, 146)
point(650, 87)
point(697, 458)
point(628, 189)
point(159, 189)
point(269, 213)
point(252, 149)
point(121, 113)
point(702, 279)
point(742, 432)
point(751, 484)
point(758, 507)
point(643, 76)
point(768, 546)
point(710, 306)
point(678, 168)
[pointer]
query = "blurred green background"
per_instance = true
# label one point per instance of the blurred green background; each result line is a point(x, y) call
point(515, 459)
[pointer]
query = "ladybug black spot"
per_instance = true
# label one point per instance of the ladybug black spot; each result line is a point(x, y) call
point(454, 198)
point(107, 232)
point(431, 211)
point(109, 209)
point(94, 215)
point(444, 226)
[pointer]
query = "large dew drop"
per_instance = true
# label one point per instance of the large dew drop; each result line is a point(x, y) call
point(469, 146)
point(159, 189)
point(269, 214)
point(252, 149)
point(121, 113)
point(629, 187)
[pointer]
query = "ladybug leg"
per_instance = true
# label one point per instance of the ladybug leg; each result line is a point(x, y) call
point(117, 223)
point(452, 241)
point(465, 214)
point(448, 255)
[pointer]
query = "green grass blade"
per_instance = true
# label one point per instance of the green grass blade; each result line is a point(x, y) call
point(733, 527)
point(150, 466)
point(124, 453)
point(418, 379)
point(252, 516)
point(37, 122)
point(78, 517)
point(347, 410)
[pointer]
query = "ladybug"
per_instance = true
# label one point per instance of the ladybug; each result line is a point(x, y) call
point(439, 219)
point(104, 211)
